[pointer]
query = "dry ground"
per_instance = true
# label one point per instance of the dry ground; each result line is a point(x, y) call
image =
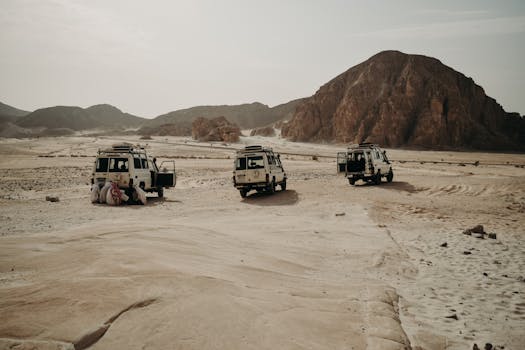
point(323, 265)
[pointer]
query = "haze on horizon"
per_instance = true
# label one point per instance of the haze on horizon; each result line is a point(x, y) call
point(149, 58)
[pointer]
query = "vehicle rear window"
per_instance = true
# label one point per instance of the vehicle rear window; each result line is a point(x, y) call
point(240, 163)
point(102, 165)
point(255, 162)
point(118, 165)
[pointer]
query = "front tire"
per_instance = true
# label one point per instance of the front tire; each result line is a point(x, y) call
point(160, 192)
point(243, 193)
point(283, 185)
point(351, 181)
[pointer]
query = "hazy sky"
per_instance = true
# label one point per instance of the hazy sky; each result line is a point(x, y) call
point(152, 57)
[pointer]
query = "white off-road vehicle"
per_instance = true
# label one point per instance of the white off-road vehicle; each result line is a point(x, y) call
point(365, 161)
point(128, 165)
point(258, 168)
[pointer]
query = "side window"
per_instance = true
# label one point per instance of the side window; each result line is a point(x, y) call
point(144, 162)
point(102, 165)
point(137, 163)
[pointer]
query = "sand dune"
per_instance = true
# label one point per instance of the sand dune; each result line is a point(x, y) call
point(204, 269)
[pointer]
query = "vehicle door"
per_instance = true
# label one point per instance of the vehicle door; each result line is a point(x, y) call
point(276, 167)
point(342, 158)
point(118, 171)
point(379, 161)
point(140, 171)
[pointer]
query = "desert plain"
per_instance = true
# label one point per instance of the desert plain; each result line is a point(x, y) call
point(322, 265)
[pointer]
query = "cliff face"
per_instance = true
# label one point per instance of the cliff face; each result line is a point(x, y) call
point(400, 100)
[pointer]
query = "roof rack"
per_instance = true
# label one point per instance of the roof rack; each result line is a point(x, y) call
point(254, 148)
point(363, 145)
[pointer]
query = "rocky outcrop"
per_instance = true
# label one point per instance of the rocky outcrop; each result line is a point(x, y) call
point(266, 131)
point(216, 129)
point(400, 100)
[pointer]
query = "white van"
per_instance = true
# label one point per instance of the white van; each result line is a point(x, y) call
point(365, 161)
point(258, 168)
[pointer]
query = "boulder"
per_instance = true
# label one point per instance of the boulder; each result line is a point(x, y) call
point(216, 129)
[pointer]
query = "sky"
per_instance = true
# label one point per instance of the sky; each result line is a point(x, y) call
point(152, 57)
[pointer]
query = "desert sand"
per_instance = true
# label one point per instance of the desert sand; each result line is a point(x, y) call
point(322, 265)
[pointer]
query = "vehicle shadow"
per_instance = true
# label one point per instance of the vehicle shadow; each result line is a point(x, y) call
point(288, 197)
point(394, 185)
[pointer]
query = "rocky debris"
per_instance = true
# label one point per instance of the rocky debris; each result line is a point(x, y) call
point(217, 129)
point(444, 245)
point(266, 131)
point(400, 100)
point(453, 316)
point(340, 214)
point(478, 231)
point(52, 199)
point(488, 346)
point(466, 252)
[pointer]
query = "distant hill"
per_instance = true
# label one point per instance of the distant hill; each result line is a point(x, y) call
point(9, 113)
point(95, 117)
point(245, 115)
point(401, 100)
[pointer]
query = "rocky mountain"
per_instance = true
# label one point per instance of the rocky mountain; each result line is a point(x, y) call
point(402, 100)
point(245, 115)
point(216, 129)
point(76, 118)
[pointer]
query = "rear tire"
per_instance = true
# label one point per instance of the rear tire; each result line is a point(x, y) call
point(243, 193)
point(351, 181)
point(160, 192)
point(377, 178)
point(271, 188)
point(390, 176)
point(283, 185)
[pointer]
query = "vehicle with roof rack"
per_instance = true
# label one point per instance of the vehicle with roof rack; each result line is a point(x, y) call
point(258, 168)
point(128, 165)
point(364, 161)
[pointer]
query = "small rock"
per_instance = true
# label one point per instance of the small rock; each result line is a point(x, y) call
point(466, 252)
point(444, 245)
point(478, 229)
point(454, 316)
point(485, 274)
point(478, 235)
point(340, 214)
point(492, 235)
point(52, 199)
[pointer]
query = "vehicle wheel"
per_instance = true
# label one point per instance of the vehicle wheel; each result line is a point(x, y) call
point(283, 185)
point(271, 188)
point(243, 193)
point(390, 176)
point(160, 192)
point(377, 178)
point(351, 181)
